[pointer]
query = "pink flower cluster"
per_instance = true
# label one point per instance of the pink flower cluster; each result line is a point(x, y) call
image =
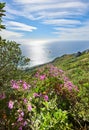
point(21, 115)
point(42, 77)
point(54, 71)
point(29, 107)
point(10, 104)
point(20, 85)
point(68, 84)
point(21, 119)
point(41, 95)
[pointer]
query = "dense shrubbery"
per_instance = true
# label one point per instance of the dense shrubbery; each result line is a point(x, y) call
point(10, 58)
point(76, 68)
point(42, 105)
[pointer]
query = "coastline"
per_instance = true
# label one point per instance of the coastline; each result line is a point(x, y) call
point(77, 54)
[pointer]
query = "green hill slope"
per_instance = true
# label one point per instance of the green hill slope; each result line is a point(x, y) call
point(76, 67)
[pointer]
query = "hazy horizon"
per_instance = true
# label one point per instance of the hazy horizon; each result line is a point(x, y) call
point(41, 26)
point(47, 52)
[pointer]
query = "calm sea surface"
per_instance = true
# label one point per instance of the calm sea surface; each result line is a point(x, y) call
point(43, 53)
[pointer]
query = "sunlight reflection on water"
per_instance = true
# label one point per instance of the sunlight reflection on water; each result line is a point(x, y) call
point(43, 53)
point(38, 54)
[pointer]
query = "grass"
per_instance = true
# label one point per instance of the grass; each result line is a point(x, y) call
point(76, 68)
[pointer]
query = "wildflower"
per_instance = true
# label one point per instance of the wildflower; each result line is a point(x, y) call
point(36, 95)
point(15, 86)
point(20, 128)
point(11, 103)
point(29, 107)
point(2, 96)
point(20, 81)
point(61, 71)
point(25, 86)
point(65, 79)
point(42, 77)
point(45, 97)
point(25, 123)
point(25, 100)
point(22, 113)
point(20, 118)
point(37, 74)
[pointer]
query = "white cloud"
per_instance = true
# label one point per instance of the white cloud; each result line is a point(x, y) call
point(56, 13)
point(19, 26)
point(79, 33)
point(32, 1)
point(32, 9)
point(62, 22)
point(39, 5)
point(11, 10)
point(10, 35)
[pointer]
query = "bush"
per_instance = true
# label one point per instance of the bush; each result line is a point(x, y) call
point(10, 58)
point(42, 105)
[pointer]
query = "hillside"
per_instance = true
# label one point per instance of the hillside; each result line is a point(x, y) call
point(76, 67)
point(53, 96)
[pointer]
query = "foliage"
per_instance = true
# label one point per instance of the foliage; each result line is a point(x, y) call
point(77, 70)
point(2, 11)
point(10, 59)
point(51, 101)
point(42, 105)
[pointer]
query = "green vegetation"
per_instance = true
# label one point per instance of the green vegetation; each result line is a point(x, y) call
point(50, 97)
point(2, 11)
point(10, 58)
point(77, 69)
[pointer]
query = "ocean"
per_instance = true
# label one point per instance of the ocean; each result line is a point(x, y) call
point(44, 53)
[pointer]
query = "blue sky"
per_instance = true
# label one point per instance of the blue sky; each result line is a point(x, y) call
point(41, 21)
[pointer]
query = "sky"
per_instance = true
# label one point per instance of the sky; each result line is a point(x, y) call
point(43, 21)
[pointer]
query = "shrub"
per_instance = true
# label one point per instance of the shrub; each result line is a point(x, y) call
point(42, 105)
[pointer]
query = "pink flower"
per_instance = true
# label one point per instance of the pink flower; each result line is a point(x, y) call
point(20, 118)
point(25, 85)
point(37, 74)
point(20, 128)
point(15, 86)
point(2, 96)
point(61, 71)
point(25, 123)
point(29, 107)
point(22, 113)
point(36, 95)
point(25, 100)
point(11, 103)
point(20, 81)
point(42, 77)
point(45, 97)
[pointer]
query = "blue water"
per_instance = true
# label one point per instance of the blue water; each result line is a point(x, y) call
point(43, 53)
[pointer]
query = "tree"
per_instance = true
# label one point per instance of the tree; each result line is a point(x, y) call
point(2, 11)
point(10, 58)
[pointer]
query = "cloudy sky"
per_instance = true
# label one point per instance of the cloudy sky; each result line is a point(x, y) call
point(46, 20)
